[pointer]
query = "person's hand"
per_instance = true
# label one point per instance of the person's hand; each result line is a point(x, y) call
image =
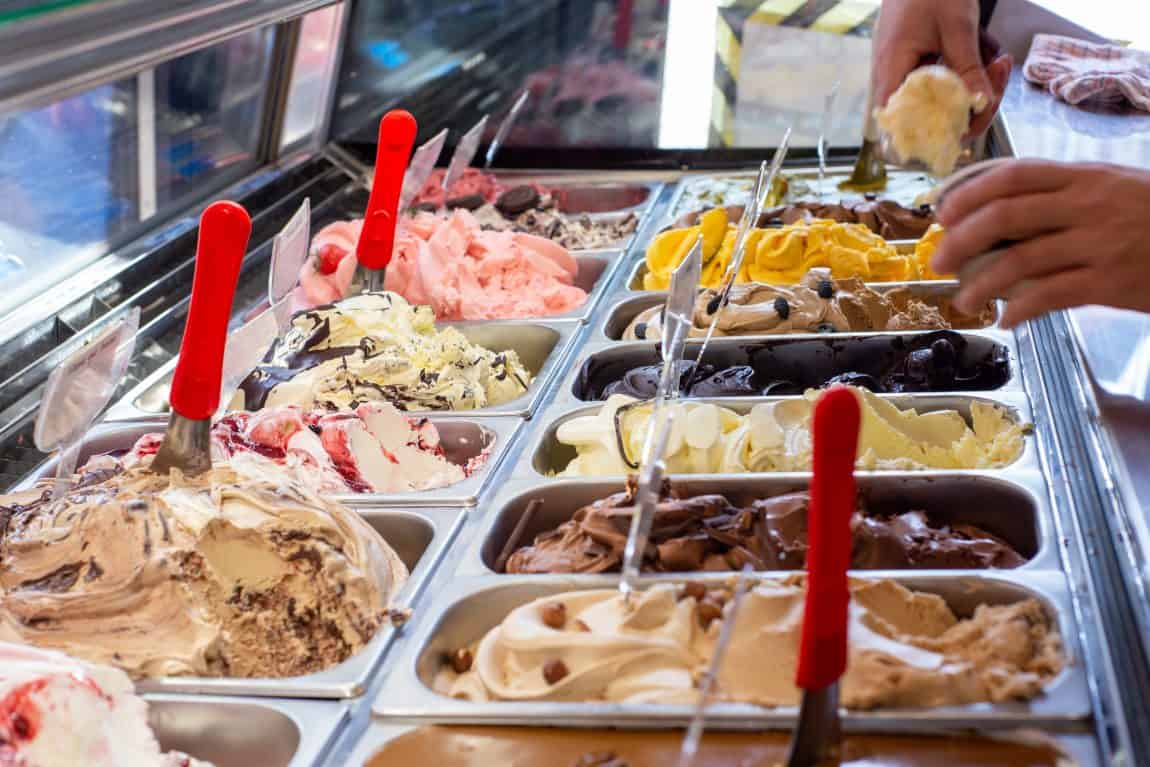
point(912, 33)
point(1078, 234)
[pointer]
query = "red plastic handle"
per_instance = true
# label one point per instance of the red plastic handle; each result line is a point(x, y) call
point(823, 650)
point(396, 136)
point(224, 231)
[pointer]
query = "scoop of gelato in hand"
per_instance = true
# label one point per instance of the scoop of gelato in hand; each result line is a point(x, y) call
point(927, 117)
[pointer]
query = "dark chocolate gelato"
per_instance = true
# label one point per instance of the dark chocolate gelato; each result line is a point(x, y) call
point(709, 533)
point(933, 362)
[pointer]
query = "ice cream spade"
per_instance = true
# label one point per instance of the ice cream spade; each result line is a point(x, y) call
point(763, 184)
point(377, 240)
point(224, 231)
point(694, 734)
point(823, 646)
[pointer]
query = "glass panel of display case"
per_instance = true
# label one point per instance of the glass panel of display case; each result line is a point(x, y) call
point(68, 177)
point(613, 81)
point(311, 76)
point(209, 109)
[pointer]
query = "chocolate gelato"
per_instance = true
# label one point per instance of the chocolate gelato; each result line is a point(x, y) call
point(551, 747)
point(709, 533)
point(818, 305)
point(934, 362)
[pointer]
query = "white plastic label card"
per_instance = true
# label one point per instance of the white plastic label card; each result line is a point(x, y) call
point(422, 163)
point(289, 252)
point(464, 153)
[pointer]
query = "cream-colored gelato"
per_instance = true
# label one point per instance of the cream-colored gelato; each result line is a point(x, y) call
point(907, 649)
point(217, 575)
point(776, 436)
point(374, 347)
point(927, 117)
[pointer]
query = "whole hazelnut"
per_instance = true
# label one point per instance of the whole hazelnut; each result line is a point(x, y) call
point(554, 615)
point(554, 671)
point(695, 590)
point(708, 612)
point(461, 661)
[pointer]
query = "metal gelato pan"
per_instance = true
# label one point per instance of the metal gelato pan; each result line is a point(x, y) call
point(546, 456)
point(619, 317)
point(420, 536)
point(233, 732)
point(470, 607)
point(542, 347)
point(462, 441)
point(807, 362)
point(1079, 750)
point(1017, 511)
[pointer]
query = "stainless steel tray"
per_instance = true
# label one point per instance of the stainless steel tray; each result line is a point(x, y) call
point(542, 347)
point(1017, 509)
point(470, 607)
point(596, 268)
point(902, 187)
point(623, 311)
point(811, 358)
point(1081, 749)
point(634, 284)
point(462, 440)
point(545, 456)
point(234, 732)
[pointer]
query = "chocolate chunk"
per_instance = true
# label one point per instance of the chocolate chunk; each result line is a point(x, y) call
point(713, 304)
point(826, 289)
point(641, 331)
point(554, 671)
point(461, 661)
point(782, 308)
point(517, 200)
point(554, 615)
point(61, 579)
point(467, 202)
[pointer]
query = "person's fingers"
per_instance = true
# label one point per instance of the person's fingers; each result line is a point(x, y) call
point(1058, 291)
point(999, 74)
point(1005, 219)
point(960, 52)
point(1011, 179)
point(890, 69)
point(1029, 260)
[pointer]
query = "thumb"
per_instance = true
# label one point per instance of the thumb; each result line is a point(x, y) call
point(960, 52)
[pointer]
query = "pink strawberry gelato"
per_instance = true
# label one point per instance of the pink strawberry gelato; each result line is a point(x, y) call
point(373, 449)
point(472, 181)
point(317, 288)
point(464, 272)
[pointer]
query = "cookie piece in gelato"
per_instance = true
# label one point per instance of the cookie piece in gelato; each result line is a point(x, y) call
point(775, 436)
point(819, 304)
point(709, 533)
point(57, 711)
point(526, 209)
point(907, 649)
point(933, 362)
point(927, 117)
point(378, 347)
point(218, 575)
point(452, 746)
point(781, 255)
point(373, 449)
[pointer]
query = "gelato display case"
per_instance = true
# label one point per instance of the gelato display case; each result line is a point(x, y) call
point(410, 543)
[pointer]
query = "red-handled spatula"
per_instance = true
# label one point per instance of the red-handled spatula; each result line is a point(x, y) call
point(377, 240)
point(823, 647)
point(224, 231)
